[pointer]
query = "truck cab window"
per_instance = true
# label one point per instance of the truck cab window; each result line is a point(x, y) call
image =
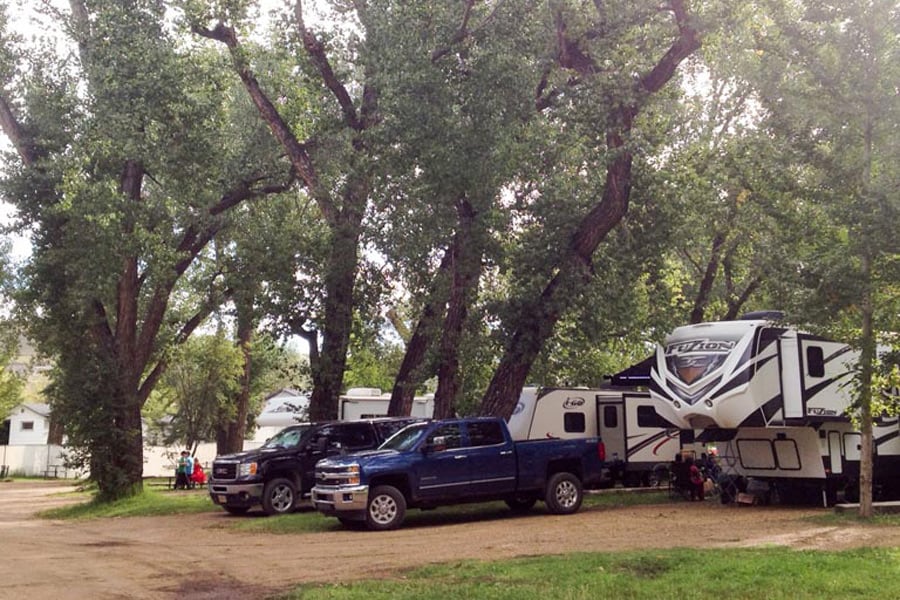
point(451, 436)
point(485, 434)
point(357, 435)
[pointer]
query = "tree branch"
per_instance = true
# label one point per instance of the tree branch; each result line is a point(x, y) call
point(296, 151)
point(192, 243)
point(16, 133)
point(316, 51)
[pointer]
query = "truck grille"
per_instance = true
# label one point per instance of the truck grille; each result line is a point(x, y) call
point(329, 477)
point(224, 470)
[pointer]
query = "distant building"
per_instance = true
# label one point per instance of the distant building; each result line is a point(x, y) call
point(29, 424)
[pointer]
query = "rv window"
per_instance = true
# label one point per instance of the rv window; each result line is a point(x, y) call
point(485, 433)
point(815, 361)
point(573, 422)
point(787, 455)
point(756, 454)
point(610, 417)
point(648, 417)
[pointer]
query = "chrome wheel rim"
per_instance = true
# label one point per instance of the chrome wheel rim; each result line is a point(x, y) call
point(282, 498)
point(566, 494)
point(383, 509)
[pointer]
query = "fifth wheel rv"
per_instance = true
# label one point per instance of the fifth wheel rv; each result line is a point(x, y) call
point(775, 402)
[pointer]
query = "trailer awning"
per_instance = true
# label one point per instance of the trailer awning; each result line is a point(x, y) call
point(635, 375)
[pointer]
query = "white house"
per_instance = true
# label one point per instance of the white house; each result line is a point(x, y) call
point(29, 424)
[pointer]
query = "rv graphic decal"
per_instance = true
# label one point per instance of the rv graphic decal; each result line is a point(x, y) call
point(573, 402)
point(692, 360)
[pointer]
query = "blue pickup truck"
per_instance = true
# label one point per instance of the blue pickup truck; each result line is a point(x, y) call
point(454, 461)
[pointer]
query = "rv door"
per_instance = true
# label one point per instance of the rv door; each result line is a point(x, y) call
point(611, 425)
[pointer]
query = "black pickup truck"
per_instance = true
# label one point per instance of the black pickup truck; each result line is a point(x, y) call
point(280, 473)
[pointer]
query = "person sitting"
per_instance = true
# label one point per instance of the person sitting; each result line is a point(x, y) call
point(708, 466)
point(695, 479)
point(681, 476)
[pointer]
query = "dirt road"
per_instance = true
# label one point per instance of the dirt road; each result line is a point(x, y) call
point(197, 557)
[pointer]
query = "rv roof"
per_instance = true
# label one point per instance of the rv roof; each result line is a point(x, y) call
point(719, 329)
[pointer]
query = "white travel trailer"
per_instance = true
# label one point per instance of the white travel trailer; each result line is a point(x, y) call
point(288, 407)
point(369, 403)
point(775, 401)
point(636, 438)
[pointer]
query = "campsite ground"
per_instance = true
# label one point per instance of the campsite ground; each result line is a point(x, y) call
point(198, 557)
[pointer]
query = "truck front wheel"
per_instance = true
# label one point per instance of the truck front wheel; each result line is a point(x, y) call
point(386, 508)
point(564, 494)
point(279, 497)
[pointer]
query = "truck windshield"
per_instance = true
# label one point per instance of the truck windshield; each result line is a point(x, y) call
point(406, 438)
point(287, 438)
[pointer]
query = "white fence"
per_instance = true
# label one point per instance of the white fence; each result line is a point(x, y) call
point(41, 460)
point(47, 460)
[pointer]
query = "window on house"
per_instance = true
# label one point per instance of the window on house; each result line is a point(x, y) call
point(27, 425)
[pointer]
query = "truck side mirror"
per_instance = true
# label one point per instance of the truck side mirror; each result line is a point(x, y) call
point(438, 443)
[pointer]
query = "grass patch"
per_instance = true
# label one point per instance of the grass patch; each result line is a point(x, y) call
point(310, 521)
point(833, 518)
point(771, 573)
point(146, 504)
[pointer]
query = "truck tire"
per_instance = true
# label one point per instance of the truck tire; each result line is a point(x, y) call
point(386, 508)
point(279, 497)
point(520, 503)
point(236, 510)
point(564, 494)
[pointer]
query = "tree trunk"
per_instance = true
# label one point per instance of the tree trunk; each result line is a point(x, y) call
point(411, 372)
point(234, 429)
point(339, 281)
point(701, 300)
point(866, 370)
point(466, 266)
point(537, 322)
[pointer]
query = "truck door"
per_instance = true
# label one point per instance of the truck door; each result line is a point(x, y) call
point(443, 471)
point(492, 460)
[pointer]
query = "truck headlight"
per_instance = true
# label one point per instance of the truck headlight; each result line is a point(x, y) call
point(353, 475)
point(247, 469)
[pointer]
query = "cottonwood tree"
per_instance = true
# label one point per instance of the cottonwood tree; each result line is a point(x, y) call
point(829, 72)
point(593, 71)
point(126, 167)
point(455, 94)
point(334, 167)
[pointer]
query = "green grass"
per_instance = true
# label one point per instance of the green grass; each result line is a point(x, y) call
point(833, 518)
point(148, 503)
point(770, 573)
point(309, 521)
